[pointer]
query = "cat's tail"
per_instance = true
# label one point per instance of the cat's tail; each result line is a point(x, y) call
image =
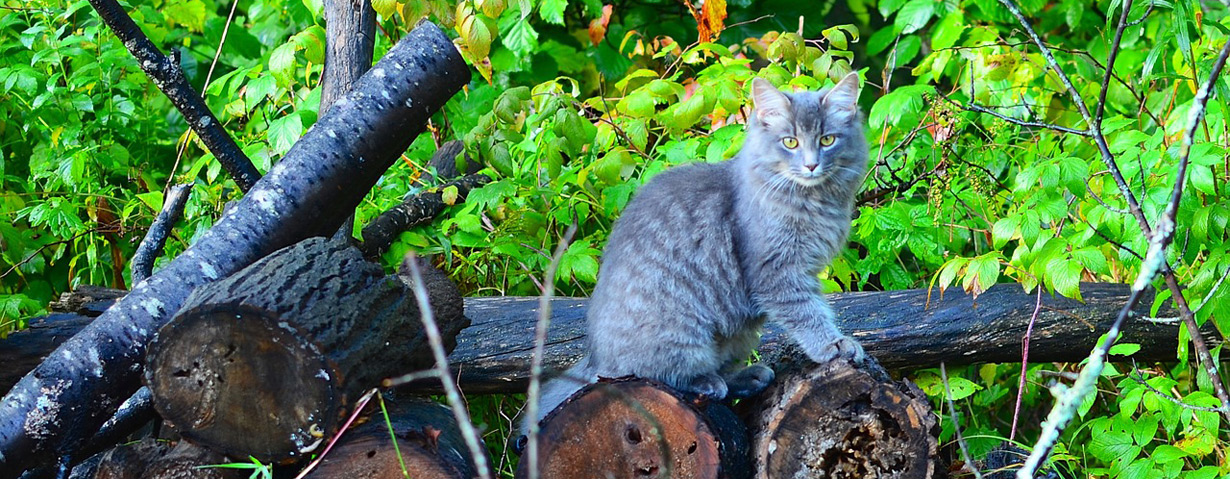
point(555, 391)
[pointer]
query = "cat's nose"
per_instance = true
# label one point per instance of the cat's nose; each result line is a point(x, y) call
point(811, 168)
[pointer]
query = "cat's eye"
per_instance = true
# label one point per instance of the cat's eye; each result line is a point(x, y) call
point(790, 142)
point(827, 140)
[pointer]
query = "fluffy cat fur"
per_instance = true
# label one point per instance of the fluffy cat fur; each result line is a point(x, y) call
point(706, 252)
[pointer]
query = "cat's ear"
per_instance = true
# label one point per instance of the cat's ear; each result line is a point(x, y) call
point(772, 106)
point(842, 100)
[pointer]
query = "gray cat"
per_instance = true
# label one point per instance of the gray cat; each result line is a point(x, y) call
point(706, 252)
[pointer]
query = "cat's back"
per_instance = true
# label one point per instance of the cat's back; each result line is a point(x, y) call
point(696, 197)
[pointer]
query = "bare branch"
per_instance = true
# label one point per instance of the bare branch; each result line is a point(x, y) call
point(1031, 124)
point(169, 77)
point(1100, 108)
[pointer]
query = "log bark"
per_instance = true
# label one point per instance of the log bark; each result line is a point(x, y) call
point(898, 328)
point(837, 421)
point(635, 428)
point(267, 361)
point(62, 402)
point(350, 28)
point(426, 434)
point(153, 459)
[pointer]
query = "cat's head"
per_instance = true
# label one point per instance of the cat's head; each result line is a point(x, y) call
point(808, 138)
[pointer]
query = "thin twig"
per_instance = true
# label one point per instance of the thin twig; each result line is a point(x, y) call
point(1100, 108)
point(956, 426)
point(1031, 124)
point(353, 415)
point(455, 400)
point(1140, 379)
point(1020, 390)
point(540, 345)
point(1212, 291)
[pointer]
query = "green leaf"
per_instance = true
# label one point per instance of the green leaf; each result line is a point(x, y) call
point(189, 13)
point(914, 15)
point(947, 31)
point(1004, 230)
point(283, 132)
point(962, 388)
point(552, 11)
point(1124, 349)
point(1065, 275)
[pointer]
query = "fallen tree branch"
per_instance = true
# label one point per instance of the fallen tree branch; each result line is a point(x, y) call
point(898, 328)
point(413, 211)
point(56, 407)
point(151, 246)
point(169, 77)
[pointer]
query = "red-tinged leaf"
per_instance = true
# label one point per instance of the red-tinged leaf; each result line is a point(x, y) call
point(710, 19)
point(597, 26)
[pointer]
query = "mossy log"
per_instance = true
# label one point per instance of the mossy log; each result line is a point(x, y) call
point(635, 428)
point(265, 362)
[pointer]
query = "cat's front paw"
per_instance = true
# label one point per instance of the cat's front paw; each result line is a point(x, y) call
point(711, 386)
point(750, 381)
point(842, 347)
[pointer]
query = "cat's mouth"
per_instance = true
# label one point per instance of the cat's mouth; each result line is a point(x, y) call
point(808, 178)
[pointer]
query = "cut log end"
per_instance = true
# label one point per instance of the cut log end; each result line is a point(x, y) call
point(836, 421)
point(237, 379)
point(633, 428)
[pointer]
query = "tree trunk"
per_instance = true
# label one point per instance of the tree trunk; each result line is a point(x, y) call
point(267, 361)
point(635, 428)
point(62, 402)
point(424, 431)
point(836, 421)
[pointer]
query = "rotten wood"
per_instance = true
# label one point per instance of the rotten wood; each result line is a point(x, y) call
point(155, 459)
point(635, 428)
point(58, 406)
point(838, 421)
point(267, 361)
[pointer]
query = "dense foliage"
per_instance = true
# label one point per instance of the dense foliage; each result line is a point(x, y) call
point(579, 102)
